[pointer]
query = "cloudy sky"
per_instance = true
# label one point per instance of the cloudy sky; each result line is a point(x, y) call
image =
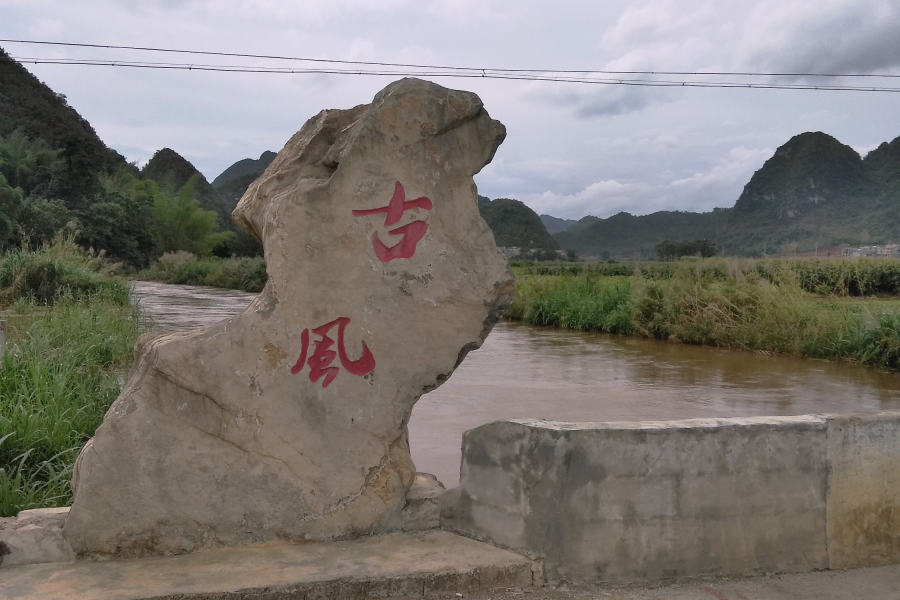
point(572, 149)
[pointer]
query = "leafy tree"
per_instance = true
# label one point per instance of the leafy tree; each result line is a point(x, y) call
point(31, 165)
point(669, 250)
point(40, 221)
point(180, 223)
point(120, 219)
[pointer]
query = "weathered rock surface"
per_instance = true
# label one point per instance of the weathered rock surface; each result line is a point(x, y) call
point(423, 503)
point(289, 420)
point(34, 536)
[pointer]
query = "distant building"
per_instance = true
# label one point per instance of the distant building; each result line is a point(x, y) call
point(887, 251)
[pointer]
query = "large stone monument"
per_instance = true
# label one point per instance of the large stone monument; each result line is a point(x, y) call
point(289, 420)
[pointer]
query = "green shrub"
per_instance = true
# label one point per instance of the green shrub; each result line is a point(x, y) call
point(58, 270)
point(238, 273)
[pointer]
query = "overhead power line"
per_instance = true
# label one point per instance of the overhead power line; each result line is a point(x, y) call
point(346, 67)
point(458, 74)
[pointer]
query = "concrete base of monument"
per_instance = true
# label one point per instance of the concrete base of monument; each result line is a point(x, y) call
point(396, 565)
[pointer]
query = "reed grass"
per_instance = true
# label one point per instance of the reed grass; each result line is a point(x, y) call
point(59, 270)
point(769, 306)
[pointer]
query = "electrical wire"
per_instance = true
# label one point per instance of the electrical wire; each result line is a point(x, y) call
point(596, 77)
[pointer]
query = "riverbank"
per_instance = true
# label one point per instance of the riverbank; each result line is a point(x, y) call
point(247, 274)
point(824, 308)
point(838, 309)
point(72, 329)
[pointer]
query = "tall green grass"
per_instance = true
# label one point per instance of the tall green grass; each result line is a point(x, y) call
point(827, 276)
point(753, 305)
point(71, 334)
point(584, 303)
point(238, 273)
point(60, 269)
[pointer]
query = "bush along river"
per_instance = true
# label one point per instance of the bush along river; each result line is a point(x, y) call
point(524, 371)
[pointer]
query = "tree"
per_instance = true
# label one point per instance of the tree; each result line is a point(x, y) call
point(180, 223)
point(40, 220)
point(31, 165)
point(120, 218)
point(669, 250)
point(11, 202)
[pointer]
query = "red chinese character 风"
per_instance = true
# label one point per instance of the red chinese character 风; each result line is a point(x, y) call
point(322, 356)
point(411, 232)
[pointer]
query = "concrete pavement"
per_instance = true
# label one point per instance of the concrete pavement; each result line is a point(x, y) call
point(409, 565)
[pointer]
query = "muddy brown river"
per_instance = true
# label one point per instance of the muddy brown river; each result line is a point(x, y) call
point(529, 372)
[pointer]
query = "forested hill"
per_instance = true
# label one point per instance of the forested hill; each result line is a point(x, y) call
point(555, 225)
point(234, 181)
point(816, 190)
point(627, 236)
point(516, 225)
point(244, 167)
point(28, 105)
point(57, 175)
point(171, 171)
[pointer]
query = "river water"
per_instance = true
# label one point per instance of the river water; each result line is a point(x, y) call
point(529, 372)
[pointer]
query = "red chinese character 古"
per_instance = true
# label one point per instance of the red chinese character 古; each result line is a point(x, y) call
point(322, 356)
point(411, 232)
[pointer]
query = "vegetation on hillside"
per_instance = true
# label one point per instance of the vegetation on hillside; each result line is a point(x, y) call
point(125, 217)
point(556, 225)
point(233, 190)
point(815, 190)
point(516, 225)
point(625, 236)
point(55, 172)
point(28, 105)
point(243, 168)
point(173, 173)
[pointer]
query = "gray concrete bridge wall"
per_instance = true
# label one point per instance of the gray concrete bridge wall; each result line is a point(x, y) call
point(654, 500)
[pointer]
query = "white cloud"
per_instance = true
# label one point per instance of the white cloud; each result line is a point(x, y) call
point(701, 192)
point(828, 36)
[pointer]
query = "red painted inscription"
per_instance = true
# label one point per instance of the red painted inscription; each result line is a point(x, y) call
point(411, 232)
point(322, 355)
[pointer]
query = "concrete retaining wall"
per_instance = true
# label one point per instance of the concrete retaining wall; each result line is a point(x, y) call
point(653, 500)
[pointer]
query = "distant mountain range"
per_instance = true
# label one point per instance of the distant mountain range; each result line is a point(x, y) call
point(813, 192)
point(555, 225)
